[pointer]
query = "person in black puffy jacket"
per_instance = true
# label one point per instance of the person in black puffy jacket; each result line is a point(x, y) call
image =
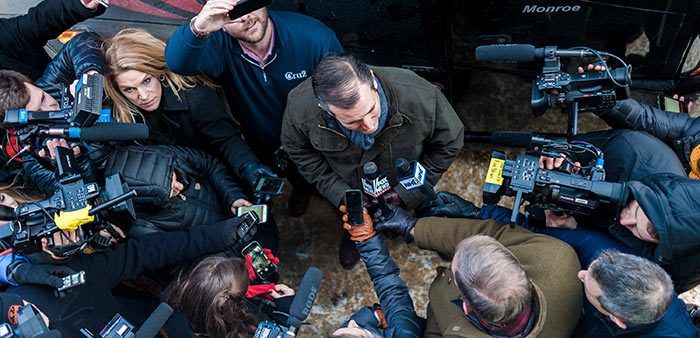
point(180, 186)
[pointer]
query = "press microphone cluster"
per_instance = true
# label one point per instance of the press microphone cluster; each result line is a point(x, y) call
point(412, 176)
point(376, 184)
point(524, 53)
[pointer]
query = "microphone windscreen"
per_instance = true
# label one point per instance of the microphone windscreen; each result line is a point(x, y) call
point(512, 139)
point(114, 131)
point(305, 295)
point(519, 53)
point(155, 321)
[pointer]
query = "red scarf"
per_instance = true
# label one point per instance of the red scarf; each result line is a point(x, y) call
point(511, 328)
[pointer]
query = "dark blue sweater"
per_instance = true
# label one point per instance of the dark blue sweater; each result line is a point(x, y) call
point(257, 95)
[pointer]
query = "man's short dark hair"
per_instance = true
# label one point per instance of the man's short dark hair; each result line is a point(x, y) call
point(336, 80)
point(13, 93)
point(634, 289)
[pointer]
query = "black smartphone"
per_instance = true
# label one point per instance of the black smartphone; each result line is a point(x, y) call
point(244, 7)
point(269, 185)
point(262, 265)
point(671, 105)
point(250, 219)
point(353, 203)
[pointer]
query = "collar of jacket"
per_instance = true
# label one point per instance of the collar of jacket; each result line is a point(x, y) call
point(630, 331)
point(452, 321)
point(396, 118)
point(170, 101)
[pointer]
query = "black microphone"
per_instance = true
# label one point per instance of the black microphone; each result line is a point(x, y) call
point(304, 299)
point(154, 322)
point(376, 184)
point(102, 132)
point(523, 53)
point(518, 139)
point(7, 213)
point(412, 176)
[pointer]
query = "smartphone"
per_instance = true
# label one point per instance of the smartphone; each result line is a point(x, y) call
point(262, 265)
point(250, 219)
point(269, 185)
point(259, 209)
point(353, 203)
point(671, 105)
point(244, 7)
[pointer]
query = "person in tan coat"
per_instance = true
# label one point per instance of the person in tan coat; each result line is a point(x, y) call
point(503, 281)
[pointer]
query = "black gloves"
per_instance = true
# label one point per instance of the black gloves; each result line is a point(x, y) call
point(238, 232)
point(401, 223)
point(251, 171)
point(452, 206)
point(48, 274)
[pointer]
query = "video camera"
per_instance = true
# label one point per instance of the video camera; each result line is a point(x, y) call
point(560, 190)
point(29, 325)
point(119, 327)
point(74, 206)
point(299, 311)
point(80, 117)
point(572, 93)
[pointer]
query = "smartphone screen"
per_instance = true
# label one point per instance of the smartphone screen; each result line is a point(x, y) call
point(262, 265)
point(353, 203)
point(270, 185)
point(671, 105)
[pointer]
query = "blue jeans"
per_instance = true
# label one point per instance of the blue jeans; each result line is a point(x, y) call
point(587, 243)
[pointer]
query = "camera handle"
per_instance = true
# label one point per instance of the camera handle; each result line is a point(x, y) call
point(572, 123)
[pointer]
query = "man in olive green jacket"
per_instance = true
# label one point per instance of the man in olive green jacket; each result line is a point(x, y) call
point(550, 265)
point(348, 114)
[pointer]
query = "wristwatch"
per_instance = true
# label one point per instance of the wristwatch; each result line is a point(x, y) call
point(197, 34)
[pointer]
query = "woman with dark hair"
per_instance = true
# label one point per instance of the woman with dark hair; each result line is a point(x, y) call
point(212, 299)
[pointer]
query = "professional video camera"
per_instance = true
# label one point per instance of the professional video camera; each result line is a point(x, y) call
point(560, 190)
point(75, 206)
point(572, 93)
point(119, 327)
point(29, 325)
point(80, 117)
point(299, 311)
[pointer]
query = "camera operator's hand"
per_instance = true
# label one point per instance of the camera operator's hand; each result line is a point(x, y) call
point(252, 171)
point(60, 238)
point(241, 202)
point(553, 220)
point(47, 274)
point(92, 4)
point(592, 66)
point(555, 163)
point(213, 16)
point(401, 223)
point(358, 233)
point(453, 206)
point(281, 290)
point(58, 142)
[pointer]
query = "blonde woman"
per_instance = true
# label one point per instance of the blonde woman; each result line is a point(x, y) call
point(180, 110)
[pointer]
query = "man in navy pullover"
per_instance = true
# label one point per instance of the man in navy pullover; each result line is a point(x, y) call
point(257, 58)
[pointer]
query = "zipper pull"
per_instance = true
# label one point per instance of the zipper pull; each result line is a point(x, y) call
point(264, 75)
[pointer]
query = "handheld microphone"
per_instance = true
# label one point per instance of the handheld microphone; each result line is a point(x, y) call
point(102, 132)
point(376, 184)
point(154, 322)
point(304, 300)
point(412, 176)
point(523, 53)
point(518, 139)
point(6, 213)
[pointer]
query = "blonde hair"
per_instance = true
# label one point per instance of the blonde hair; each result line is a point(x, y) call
point(20, 191)
point(136, 49)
